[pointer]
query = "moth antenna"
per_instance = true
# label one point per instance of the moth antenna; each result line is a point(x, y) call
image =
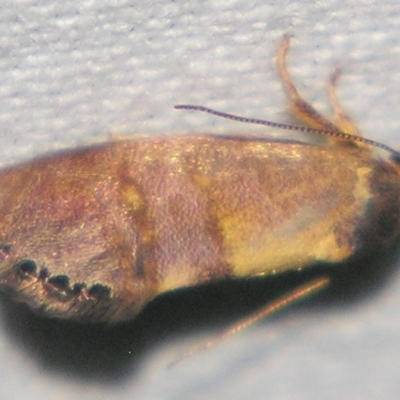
point(333, 133)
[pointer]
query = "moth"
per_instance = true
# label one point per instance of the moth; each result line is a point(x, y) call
point(94, 234)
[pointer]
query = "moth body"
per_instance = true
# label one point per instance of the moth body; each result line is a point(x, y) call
point(94, 234)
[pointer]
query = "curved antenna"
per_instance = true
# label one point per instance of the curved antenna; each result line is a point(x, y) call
point(334, 133)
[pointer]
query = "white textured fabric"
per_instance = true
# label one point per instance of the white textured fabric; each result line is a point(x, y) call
point(74, 72)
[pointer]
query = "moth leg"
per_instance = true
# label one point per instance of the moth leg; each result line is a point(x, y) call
point(292, 297)
point(342, 119)
point(300, 108)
